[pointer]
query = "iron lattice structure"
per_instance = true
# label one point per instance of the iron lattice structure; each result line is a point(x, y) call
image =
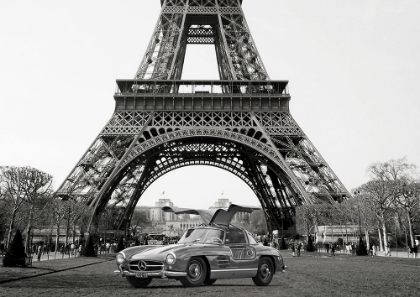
point(240, 123)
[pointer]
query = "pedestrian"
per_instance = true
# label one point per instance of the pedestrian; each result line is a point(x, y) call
point(373, 250)
point(39, 252)
point(327, 246)
point(73, 249)
point(388, 250)
point(299, 246)
point(415, 250)
point(265, 242)
point(333, 246)
point(293, 250)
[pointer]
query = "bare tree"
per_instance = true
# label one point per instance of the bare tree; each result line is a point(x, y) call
point(400, 175)
point(379, 196)
point(258, 222)
point(12, 189)
point(58, 210)
point(138, 221)
point(20, 185)
point(409, 200)
point(363, 213)
point(77, 212)
point(392, 170)
point(4, 216)
point(37, 187)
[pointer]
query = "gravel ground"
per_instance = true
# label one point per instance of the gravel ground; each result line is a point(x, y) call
point(305, 276)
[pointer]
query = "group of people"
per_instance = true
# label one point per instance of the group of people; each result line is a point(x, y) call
point(331, 248)
point(40, 249)
point(296, 247)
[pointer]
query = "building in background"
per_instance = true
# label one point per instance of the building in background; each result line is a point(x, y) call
point(171, 224)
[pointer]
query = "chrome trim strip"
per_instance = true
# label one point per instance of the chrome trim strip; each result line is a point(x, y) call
point(162, 273)
point(227, 270)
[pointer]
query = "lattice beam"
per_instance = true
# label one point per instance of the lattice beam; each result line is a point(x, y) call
point(241, 123)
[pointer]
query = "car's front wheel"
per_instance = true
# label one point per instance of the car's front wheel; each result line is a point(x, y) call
point(265, 272)
point(196, 273)
point(138, 282)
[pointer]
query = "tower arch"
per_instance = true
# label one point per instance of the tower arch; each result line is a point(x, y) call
point(161, 123)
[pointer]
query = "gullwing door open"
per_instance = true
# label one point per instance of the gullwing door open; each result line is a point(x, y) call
point(218, 217)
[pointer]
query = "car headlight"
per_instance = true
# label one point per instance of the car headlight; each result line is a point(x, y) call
point(120, 258)
point(170, 258)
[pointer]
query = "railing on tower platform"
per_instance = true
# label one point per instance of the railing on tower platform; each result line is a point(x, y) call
point(202, 87)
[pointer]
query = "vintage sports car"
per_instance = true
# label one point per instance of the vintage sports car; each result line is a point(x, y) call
point(214, 250)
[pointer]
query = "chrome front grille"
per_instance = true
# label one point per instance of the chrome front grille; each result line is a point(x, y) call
point(150, 265)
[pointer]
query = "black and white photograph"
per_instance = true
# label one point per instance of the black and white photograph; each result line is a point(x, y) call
point(208, 147)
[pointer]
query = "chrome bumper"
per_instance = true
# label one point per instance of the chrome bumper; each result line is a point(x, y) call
point(162, 273)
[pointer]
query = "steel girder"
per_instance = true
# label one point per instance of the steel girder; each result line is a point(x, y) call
point(127, 158)
point(244, 128)
point(234, 157)
point(219, 22)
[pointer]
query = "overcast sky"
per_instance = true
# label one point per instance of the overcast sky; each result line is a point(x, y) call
point(353, 67)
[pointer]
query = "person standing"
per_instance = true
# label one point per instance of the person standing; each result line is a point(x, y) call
point(39, 252)
point(72, 249)
point(299, 246)
point(265, 242)
point(387, 250)
point(373, 250)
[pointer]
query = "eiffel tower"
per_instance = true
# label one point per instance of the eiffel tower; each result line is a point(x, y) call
point(240, 123)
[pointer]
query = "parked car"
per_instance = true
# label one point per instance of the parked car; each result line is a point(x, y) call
point(214, 250)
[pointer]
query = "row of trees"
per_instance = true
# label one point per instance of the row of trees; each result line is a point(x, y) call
point(27, 201)
point(389, 201)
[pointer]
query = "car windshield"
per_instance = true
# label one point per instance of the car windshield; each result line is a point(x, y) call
point(203, 235)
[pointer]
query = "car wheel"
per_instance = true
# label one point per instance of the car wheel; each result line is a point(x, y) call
point(265, 272)
point(209, 282)
point(196, 273)
point(138, 282)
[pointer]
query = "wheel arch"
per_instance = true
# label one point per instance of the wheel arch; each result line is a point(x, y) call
point(208, 268)
point(272, 260)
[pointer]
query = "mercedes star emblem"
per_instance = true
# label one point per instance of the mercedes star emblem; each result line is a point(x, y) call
point(142, 265)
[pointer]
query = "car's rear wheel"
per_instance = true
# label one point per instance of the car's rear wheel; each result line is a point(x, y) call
point(265, 272)
point(196, 273)
point(209, 282)
point(138, 282)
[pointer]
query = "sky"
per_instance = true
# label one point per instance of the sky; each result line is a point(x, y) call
point(353, 68)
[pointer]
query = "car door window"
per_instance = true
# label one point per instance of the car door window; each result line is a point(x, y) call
point(251, 239)
point(235, 237)
point(241, 250)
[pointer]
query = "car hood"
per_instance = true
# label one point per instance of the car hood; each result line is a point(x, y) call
point(155, 251)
